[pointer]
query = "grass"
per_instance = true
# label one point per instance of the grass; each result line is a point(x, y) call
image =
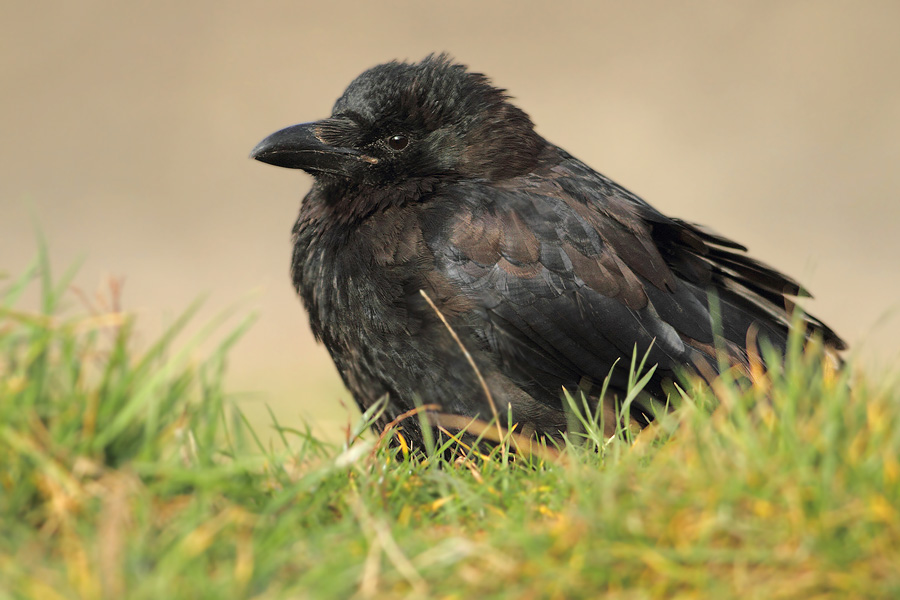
point(128, 474)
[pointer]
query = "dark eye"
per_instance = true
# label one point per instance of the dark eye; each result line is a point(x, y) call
point(398, 142)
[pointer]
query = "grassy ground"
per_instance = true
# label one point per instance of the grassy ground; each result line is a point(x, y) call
point(126, 474)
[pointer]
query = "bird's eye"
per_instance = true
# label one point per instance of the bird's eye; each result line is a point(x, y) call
point(398, 142)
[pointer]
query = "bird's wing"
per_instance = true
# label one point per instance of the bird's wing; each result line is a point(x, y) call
point(571, 272)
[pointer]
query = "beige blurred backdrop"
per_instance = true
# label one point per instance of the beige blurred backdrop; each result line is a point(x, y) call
point(126, 128)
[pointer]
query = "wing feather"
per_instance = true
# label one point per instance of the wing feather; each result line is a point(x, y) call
point(572, 273)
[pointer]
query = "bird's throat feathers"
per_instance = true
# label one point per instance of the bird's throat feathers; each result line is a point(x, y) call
point(339, 202)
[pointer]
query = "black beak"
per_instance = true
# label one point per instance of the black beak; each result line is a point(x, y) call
point(302, 147)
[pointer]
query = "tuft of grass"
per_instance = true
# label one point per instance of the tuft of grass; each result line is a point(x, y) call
point(125, 473)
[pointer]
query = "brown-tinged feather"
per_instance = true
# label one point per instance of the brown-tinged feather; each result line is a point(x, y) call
point(597, 276)
point(517, 242)
point(478, 239)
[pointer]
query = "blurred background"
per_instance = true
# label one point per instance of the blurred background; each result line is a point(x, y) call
point(126, 128)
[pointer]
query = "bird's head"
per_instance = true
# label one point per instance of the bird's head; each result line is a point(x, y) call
point(400, 121)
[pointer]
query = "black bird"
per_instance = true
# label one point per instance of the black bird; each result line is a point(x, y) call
point(428, 178)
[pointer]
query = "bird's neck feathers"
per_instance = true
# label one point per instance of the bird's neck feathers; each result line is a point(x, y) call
point(347, 205)
point(501, 145)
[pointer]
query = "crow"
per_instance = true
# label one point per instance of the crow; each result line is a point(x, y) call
point(449, 255)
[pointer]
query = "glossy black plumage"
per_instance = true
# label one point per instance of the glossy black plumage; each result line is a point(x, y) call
point(428, 178)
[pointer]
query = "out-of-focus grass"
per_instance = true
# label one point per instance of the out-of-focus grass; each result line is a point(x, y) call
point(125, 474)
